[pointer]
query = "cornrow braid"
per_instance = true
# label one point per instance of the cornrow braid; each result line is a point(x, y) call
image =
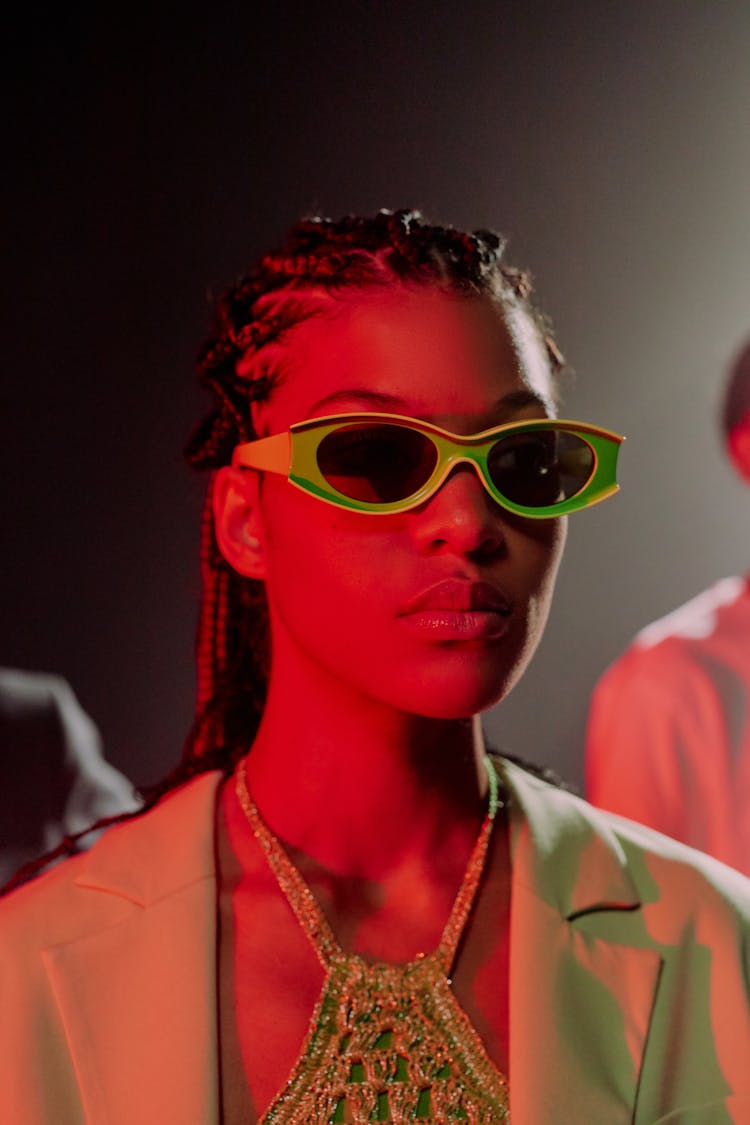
point(238, 365)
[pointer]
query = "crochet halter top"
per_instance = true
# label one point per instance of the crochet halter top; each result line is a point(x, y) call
point(386, 1042)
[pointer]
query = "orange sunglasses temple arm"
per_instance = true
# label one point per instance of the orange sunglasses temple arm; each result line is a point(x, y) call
point(271, 454)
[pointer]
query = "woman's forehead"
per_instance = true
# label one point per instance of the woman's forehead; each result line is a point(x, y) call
point(423, 351)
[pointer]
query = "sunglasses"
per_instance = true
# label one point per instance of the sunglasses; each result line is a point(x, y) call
point(384, 463)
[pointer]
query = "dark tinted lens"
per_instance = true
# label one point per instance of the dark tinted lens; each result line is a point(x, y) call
point(378, 462)
point(540, 467)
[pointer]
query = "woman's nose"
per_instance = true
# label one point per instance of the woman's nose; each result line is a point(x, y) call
point(461, 517)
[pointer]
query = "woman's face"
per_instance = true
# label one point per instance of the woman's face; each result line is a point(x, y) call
point(394, 607)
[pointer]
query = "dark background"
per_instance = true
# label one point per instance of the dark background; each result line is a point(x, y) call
point(150, 156)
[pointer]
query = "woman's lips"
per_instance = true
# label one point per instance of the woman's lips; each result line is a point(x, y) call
point(459, 610)
point(458, 625)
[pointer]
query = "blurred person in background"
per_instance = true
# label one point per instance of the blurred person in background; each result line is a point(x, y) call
point(668, 738)
point(54, 781)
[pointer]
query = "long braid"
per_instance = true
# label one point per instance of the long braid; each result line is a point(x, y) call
point(320, 259)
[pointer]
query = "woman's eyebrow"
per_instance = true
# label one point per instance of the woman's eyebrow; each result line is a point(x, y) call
point(505, 406)
point(377, 398)
point(519, 400)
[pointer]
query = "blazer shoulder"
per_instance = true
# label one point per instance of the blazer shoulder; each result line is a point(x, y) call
point(131, 865)
point(693, 881)
point(581, 857)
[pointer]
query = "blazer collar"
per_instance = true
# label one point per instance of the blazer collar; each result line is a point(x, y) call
point(565, 849)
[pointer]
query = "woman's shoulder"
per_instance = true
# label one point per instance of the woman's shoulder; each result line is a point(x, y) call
point(563, 832)
point(134, 862)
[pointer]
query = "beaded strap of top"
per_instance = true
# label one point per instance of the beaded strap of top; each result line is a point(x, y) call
point(306, 908)
point(386, 1042)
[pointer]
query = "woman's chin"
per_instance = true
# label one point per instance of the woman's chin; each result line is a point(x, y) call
point(452, 700)
point(459, 691)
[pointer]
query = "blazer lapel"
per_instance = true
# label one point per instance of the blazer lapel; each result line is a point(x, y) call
point(155, 905)
point(581, 996)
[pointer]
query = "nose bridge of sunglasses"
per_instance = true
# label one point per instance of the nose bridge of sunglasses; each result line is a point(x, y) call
point(455, 458)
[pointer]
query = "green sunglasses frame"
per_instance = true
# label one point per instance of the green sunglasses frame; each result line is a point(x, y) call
point(293, 454)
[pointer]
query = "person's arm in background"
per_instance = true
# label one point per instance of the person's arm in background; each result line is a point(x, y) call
point(656, 748)
point(54, 780)
point(97, 788)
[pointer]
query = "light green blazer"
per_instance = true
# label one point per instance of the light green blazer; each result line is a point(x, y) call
point(630, 974)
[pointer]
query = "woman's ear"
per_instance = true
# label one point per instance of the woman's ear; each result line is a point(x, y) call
point(237, 521)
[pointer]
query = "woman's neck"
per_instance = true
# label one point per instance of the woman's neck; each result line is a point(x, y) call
point(361, 787)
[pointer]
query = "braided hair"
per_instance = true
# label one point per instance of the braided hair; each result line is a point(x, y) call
point(238, 364)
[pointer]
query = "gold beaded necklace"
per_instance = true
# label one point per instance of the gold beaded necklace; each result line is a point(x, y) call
point(386, 1042)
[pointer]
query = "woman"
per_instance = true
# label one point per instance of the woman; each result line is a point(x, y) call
point(361, 917)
